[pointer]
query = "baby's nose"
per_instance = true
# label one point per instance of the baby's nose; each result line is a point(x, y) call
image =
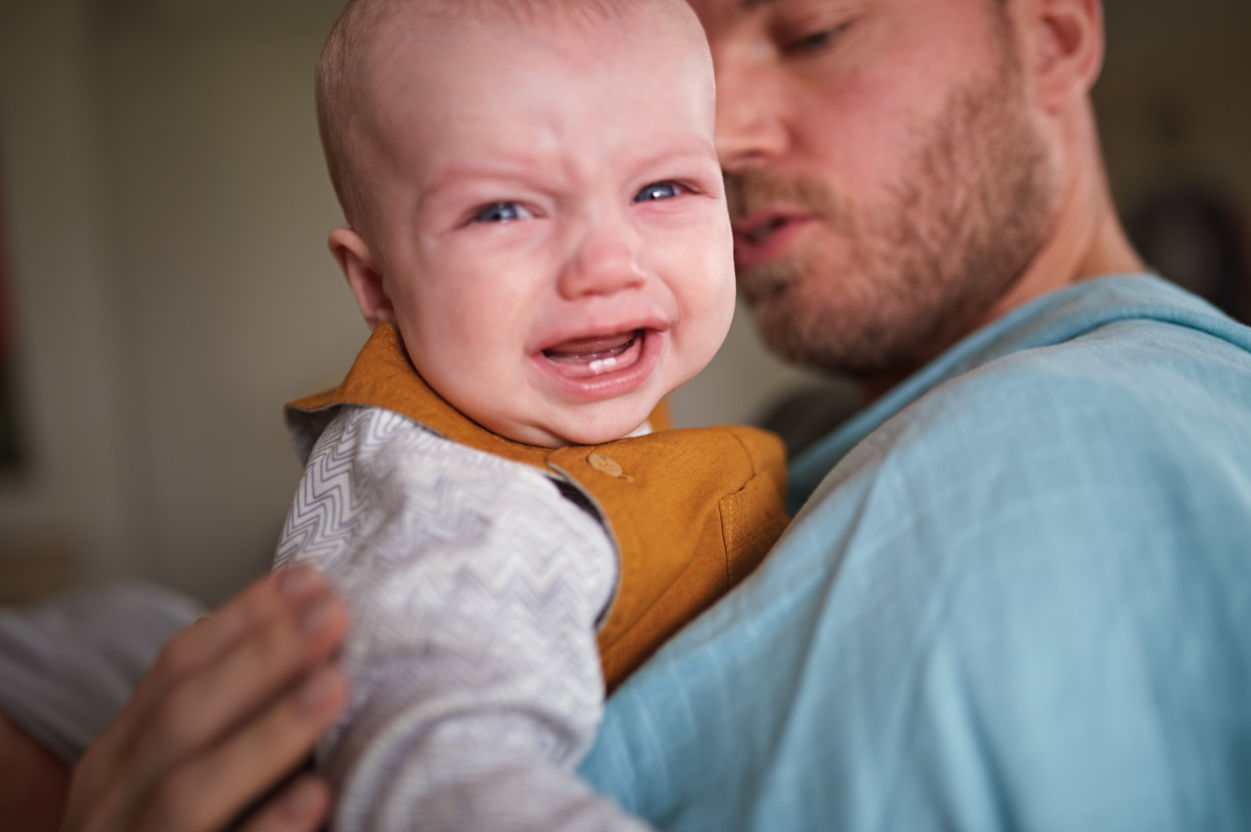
point(605, 262)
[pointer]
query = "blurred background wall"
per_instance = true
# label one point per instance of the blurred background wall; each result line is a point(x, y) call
point(165, 282)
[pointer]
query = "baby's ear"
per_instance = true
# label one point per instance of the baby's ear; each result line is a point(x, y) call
point(357, 262)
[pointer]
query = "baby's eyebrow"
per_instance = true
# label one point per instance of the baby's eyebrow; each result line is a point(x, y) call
point(511, 167)
point(459, 174)
point(693, 151)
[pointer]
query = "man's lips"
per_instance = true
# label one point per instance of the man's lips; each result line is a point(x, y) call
point(764, 236)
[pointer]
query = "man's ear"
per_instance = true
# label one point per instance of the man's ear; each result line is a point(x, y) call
point(357, 262)
point(1065, 40)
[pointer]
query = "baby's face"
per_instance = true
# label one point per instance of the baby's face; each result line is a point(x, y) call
point(554, 239)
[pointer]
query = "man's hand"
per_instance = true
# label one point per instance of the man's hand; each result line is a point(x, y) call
point(231, 705)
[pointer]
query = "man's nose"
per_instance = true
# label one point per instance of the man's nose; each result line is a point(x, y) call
point(604, 261)
point(750, 127)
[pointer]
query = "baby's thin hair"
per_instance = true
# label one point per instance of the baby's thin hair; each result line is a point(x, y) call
point(347, 48)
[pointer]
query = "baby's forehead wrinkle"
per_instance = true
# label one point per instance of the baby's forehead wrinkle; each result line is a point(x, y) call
point(535, 164)
point(445, 174)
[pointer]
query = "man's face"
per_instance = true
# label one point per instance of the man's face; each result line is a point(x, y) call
point(884, 177)
point(553, 237)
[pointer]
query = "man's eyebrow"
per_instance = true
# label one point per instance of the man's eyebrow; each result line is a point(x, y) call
point(748, 5)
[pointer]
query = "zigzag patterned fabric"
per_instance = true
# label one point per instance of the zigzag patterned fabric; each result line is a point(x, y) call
point(474, 588)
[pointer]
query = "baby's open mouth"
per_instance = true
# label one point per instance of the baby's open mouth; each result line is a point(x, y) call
point(587, 357)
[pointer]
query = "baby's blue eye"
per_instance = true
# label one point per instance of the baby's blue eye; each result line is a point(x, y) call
point(658, 190)
point(500, 212)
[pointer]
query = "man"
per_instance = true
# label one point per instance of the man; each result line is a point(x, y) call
point(1017, 593)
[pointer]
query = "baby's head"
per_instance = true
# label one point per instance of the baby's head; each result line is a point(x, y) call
point(534, 199)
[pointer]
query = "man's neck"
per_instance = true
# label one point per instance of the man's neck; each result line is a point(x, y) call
point(1087, 241)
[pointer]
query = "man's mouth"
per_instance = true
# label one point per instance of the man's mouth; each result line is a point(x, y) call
point(760, 232)
point(764, 237)
point(588, 357)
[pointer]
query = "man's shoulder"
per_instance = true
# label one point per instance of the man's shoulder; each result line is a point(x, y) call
point(1085, 445)
point(1143, 370)
point(1134, 411)
point(1136, 396)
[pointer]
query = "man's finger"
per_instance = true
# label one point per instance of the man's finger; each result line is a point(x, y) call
point(204, 791)
point(195, 647)
point(214, 700)
point(300, 807)
point(209, 638)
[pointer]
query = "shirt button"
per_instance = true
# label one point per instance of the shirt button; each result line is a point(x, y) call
point(605, 464)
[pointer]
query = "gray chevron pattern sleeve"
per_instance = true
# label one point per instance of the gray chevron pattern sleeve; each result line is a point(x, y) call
point(474, 588)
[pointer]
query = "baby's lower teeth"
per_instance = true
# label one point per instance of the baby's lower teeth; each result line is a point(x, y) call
point(599, 365)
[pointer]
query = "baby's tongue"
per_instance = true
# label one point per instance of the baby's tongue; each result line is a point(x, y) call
point(586, 350)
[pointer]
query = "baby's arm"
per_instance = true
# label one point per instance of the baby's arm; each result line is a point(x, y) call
point(476, 685)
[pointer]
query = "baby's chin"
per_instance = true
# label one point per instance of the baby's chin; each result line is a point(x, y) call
point(573, 429)
point(605, 436)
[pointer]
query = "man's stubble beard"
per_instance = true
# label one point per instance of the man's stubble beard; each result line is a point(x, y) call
point(966, 215)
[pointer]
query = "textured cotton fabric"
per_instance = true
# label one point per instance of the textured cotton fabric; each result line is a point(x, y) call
point(1018, 597)
point(475, 588)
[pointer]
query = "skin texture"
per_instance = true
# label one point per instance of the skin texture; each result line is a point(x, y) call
point(902, 171)
point(230, 707)
point(563, 195)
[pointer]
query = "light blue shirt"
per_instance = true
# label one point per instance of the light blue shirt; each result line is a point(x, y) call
point(1018, 596)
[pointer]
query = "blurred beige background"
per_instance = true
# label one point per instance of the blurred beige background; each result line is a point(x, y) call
point(164, 211)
